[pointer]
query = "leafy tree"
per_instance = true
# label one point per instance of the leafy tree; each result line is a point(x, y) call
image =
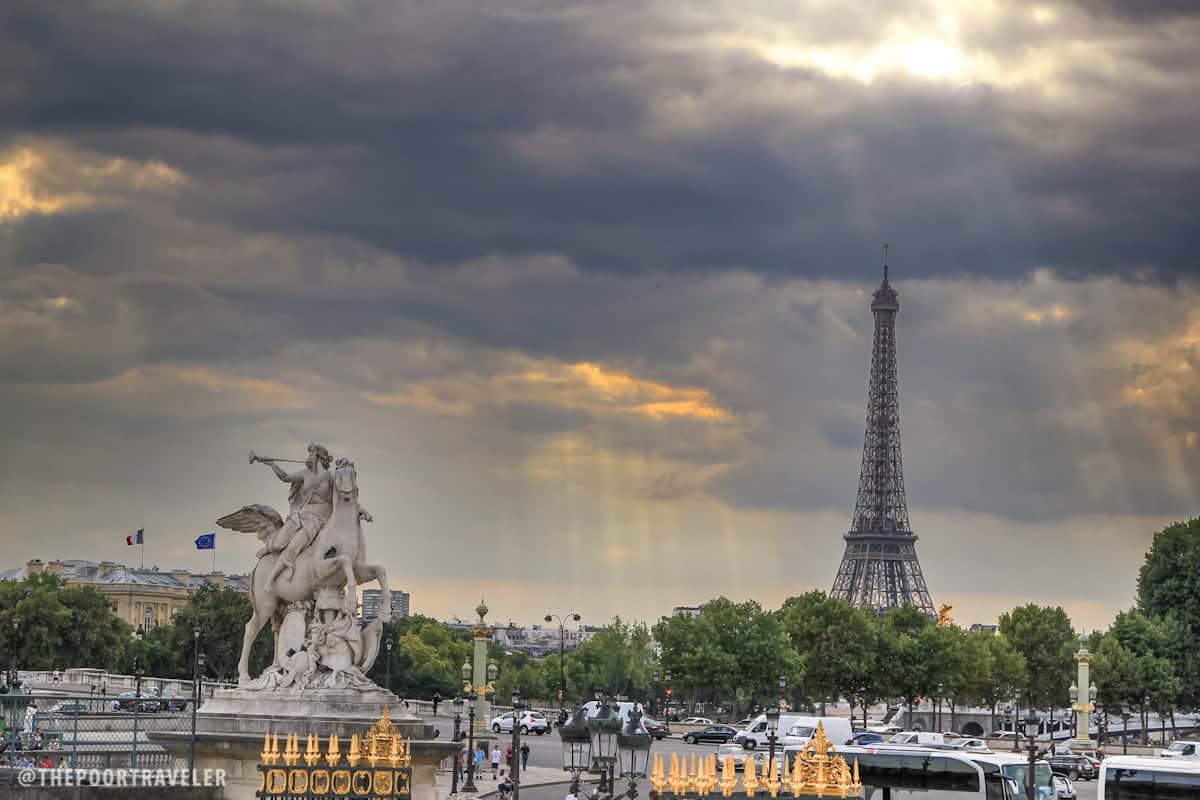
point(619, 659)
point(1047, 640)
point(1169, 591)
point(837, 643)
point(691, 650)
point(62, 626)
point(426, 657)
point(221, 614)
point(904, 664)
point(992, 671)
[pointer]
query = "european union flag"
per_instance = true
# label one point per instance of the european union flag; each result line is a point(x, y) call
point(206, 541)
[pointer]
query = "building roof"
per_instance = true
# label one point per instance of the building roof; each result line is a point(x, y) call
point(85, 571)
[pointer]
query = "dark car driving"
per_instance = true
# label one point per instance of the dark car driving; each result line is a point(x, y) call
point(711, 733)
point(659, 730)
point(1072, 766)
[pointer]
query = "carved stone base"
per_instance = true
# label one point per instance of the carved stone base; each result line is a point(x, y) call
point(230, 727)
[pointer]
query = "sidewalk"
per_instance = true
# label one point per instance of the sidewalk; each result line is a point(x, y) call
point(532, 776)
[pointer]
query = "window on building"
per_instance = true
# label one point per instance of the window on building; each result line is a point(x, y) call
point(147, 619)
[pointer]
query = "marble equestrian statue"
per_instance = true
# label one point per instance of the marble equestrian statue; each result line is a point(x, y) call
point(306, 580)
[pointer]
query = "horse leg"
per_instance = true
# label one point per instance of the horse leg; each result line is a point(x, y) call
point(351, 603)
point(264, 605)
point(367, 572)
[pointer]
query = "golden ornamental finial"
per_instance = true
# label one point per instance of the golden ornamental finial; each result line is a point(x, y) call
point(750, 776)
point(355, 754)
point(332, 753)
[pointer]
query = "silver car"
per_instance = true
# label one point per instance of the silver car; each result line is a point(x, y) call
point(1063, 788)
point(735, 750)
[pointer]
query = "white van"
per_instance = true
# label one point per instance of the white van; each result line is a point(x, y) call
point(917, 737)
point(793, 729)
point(1181, 748)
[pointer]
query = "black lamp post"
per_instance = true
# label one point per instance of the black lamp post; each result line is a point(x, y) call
point(562, 651)
point(469, 690)
point(654, 695)
point(1016, 719)
point(458, 705)
point(388, 665)
point(12, 665)
point(1031, 727)
point(633, 752)
point(772, 713)
point(576, 747)
point(937, 718)
point(603, 729)
point(667, 678)
point(1125, 715)
point(195, 695)
point(514, 769)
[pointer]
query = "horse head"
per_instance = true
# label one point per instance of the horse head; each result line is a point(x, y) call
point(345, 481)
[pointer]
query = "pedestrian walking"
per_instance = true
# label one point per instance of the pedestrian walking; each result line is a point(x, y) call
point(495, 761)
point(480, 753)
point(506, 788)
point(437, 698)
point(524, 754)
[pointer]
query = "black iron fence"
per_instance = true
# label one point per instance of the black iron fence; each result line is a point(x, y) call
point(86, 731)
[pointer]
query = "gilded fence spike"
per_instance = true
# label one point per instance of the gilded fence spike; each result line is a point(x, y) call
point(275, 748)
point(312, 750)
point(332, 754)
point(728, 776)
point(658, 780)
point(354, 756)
point(265, 755)
point(750, 776)
point(773, 783)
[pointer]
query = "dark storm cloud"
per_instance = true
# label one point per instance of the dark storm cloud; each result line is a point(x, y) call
point(454, 131)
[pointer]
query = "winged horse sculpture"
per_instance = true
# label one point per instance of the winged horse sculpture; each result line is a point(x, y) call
point(336, 557)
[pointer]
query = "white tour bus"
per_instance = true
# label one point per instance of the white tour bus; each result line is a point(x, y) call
point(905, 771)
point(1149, 778)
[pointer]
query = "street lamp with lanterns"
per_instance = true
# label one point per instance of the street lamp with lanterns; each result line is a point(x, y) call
point(1031, 723)
point(576, 746)
point(469, 691)
point(603, 729)
point(196, 664)
point(458, 707)
point(387, 680)
point(514, 769)
point(633, 752)
point(1126, 714)
point(12, 665)
point(562, 651)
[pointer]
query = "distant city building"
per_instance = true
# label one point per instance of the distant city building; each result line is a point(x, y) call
point(979, 628)
point(536, 640)
point(685, 611)
point(142, 597)
point(372, 600)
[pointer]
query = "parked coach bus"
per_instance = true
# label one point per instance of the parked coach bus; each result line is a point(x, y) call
point(1149, 778)
point(900, 773)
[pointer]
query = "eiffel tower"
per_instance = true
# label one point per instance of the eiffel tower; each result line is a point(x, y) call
point(879, 568)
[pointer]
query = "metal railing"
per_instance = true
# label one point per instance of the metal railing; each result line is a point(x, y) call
point(81, 730)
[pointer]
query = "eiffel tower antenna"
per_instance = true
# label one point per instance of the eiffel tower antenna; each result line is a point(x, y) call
point(879, 569)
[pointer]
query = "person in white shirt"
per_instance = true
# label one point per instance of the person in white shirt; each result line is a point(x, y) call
point(495, 760)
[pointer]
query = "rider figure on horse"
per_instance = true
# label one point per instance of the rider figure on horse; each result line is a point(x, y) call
point(310, 504)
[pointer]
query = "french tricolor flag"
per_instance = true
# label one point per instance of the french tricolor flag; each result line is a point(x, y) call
point(135, 538)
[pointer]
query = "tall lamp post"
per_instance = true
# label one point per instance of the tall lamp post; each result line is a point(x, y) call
point(654, 695)
point(12, 662)
point(576, 747)
point(1016, 720)
point(1125, 715)
point(195, 696)
point(633, 752)
point(458, 707)
point(514, 769)
point(387, 680)
point(469, 691)
point(562, 651)
point(772, 713)
point(137, 664)
point(603, 728)
point(1031, 727)
point(937, 719)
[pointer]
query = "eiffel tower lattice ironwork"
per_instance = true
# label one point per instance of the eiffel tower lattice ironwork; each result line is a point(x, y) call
point(879, 569)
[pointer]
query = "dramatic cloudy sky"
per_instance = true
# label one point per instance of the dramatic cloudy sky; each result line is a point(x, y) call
point(583, 288)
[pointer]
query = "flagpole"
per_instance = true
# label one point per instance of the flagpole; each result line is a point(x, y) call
point(214, 567)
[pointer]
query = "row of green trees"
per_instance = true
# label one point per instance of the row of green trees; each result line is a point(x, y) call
point(729, 654)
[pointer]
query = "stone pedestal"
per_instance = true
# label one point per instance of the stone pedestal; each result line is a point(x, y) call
point(231, 725)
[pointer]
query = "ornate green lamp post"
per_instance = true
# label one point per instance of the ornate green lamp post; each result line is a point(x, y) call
point(633, 752)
